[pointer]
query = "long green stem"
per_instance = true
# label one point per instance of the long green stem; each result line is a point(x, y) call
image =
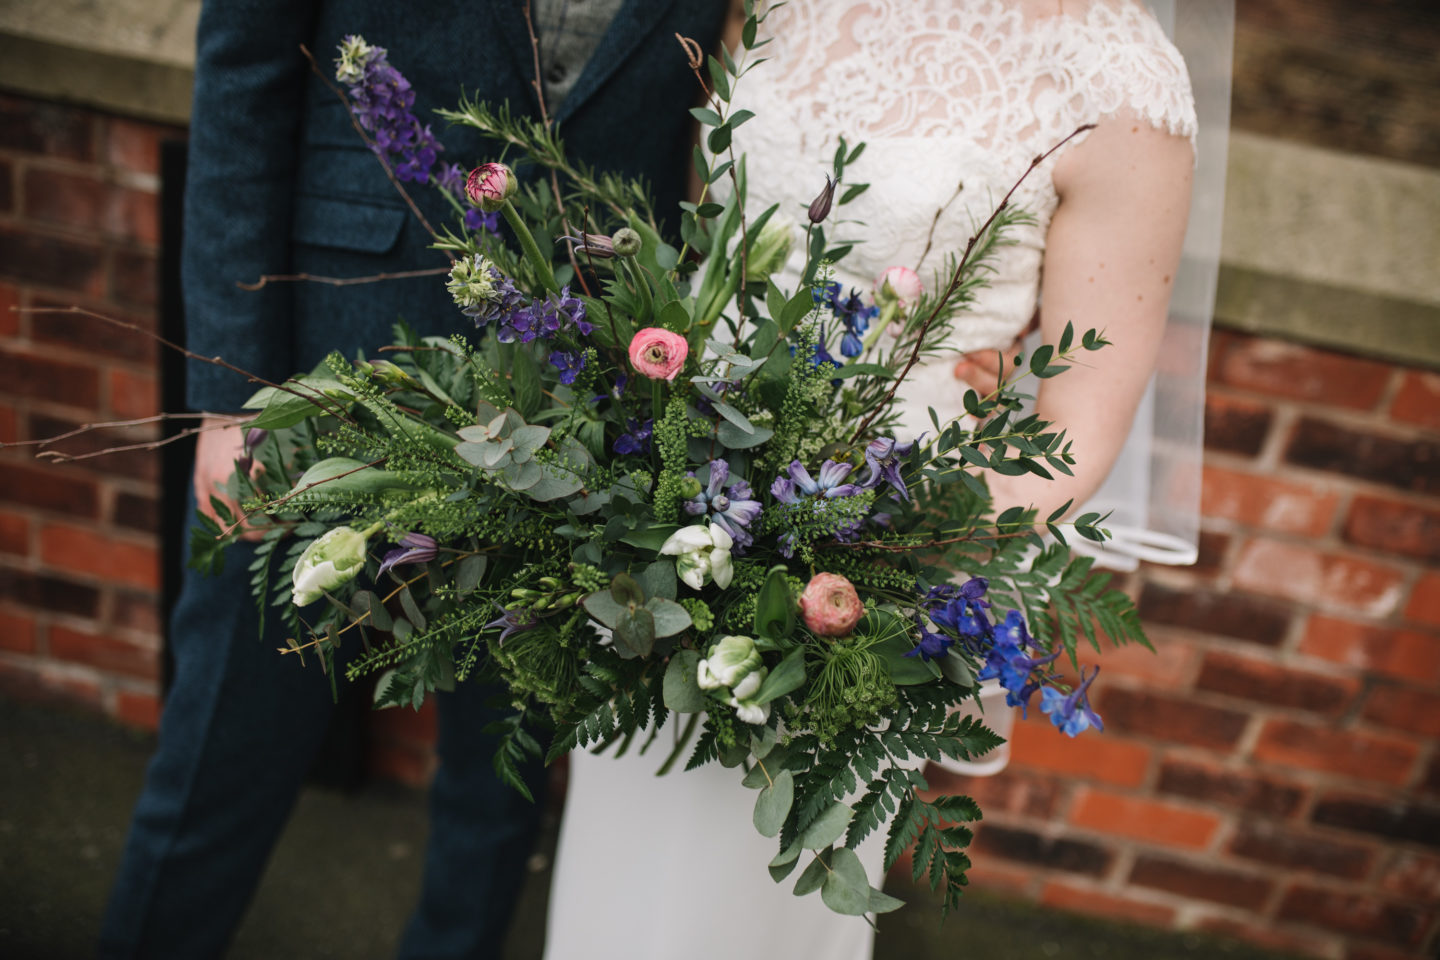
point(537, 260)
point(679, 745)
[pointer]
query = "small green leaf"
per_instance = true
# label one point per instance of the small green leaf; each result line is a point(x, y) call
point(719, 139)
point(957, 670)
point(602, 606)
point(826, 828)
point(634, 633)
point(626, 590)
point(881, 902)
point(775, 607)
point(788, 675)
point(669, 617)
point(706, 116)
point(772, 806)
point(846, 888)
point(468, 574)
point(811, 877)
point(733, 438)
point(682, 692)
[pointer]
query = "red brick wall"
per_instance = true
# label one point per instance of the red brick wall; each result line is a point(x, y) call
point(79, 553)
point(1270, 773)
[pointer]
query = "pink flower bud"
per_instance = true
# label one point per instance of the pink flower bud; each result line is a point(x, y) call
point(898, 285)
point(490, 185)
point(830, 606)
point(658, 354)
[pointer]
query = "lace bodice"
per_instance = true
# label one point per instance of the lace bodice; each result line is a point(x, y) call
point(953, 99)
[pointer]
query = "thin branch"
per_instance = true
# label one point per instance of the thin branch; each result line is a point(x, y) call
point(379, 155)
point(270, 278)
point(291, 495)
point(955, 282)
point(57, 456)
point(138, 422)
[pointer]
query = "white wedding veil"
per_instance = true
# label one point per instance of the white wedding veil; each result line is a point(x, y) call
point(1153, 492)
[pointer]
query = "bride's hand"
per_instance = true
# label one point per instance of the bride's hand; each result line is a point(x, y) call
point(981, 369)
point(221, 442)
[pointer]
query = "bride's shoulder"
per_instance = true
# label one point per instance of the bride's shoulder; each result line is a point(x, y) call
point(1120, 63)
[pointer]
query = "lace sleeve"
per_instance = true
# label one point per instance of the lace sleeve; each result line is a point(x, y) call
point(1129, 65)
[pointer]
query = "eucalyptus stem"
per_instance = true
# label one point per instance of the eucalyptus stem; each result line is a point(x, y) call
point(537, 260)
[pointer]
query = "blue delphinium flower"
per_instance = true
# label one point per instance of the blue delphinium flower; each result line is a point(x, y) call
point(856, 315)
point(413, 548)
point(477, 220)
point(545, 319)
point(883, 456)
point(569, 363)
point(932, 646)
point(799, 483)
point(1007, 661)
point(502, 302)
point(1071, 713)
point(636, 438)
point(729, 503)
point(383, 101)
point(962, 610)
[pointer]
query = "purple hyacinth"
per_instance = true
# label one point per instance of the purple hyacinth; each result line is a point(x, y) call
point(732, 507)
point(799, 483)
point(413, 548)
point(636, 438)
point(883, 457)
point(1071, 713)
point(569, 363)
point(382, 102)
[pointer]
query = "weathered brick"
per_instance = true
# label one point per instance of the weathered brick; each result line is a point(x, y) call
point(1267, 503)
point(133, 395)
point(1412, 876)
point(78, 550)
point(45, 129)
point(1139, 818)
point(138, 709)
point(409, 726)
point(31, 375)
point(1016, 793)
point(1430, 782)
point(1068, 896)
point(1424, 605)
point(1408, 654)
point(1055, 853)
point(77, 331)
point(44, 592)
point(1250, 679)
point(65, 264)
point(1035, 743)
point(1229, 787)
point(1354, 915)
point(1397, 820)
point(1228, 615)
point(9, 319)
point(17, 631)
point(135, 146)
point(1281, 369)
point(1166, 667)
point(135, 512)
point(1406, 464)
point(1137, 713)
point(1306, 575)
point(1355, 755)
point(103, 652)
point(1200, 881)
point(7, 187)
point(1235, 426)
point(1278, 846)
point(400, 763)
point(9, 424)
point(14, 533)
point(1405, 708)
point(86, 203)
point(48, 488)
point(136, 278)
point(1370, 951)
point(1418, 400)
point(1213, 547)
point(136, 611)
point(1404, 528)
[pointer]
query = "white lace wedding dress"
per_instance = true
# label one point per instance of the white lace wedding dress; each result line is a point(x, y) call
point(953, 99)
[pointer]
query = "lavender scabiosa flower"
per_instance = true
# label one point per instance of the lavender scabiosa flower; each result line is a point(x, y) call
point(1071, 713)
point(382, 102)
point(636, 438)
point(883, 456)
point(413, 548)
point(569, 363)
point(731, 506)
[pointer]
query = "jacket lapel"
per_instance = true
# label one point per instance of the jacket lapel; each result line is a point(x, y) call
point(631, 25)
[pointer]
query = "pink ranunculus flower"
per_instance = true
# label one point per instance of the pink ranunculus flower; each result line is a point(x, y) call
point(830, 606)
point(898, 285)
point(490, 185)
point(658, 354)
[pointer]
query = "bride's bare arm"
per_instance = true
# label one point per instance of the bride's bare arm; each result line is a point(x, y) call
point(1110, 260)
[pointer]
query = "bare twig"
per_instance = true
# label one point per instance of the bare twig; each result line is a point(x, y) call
point(137, 422)
point(270, 278)
point(292, 494)
point(954, 285)
point(379, 155)
point(57, 456)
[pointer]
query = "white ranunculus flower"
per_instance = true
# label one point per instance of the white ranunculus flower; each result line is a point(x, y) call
point(334, 559)
point(732, 658)
point(749, 686)
point(705, 679)
point(701, 553)
point(747, 712)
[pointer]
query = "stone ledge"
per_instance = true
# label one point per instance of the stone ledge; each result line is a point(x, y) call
point(148, 89)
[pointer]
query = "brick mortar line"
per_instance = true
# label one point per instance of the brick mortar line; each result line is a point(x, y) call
point(101, 169)
point(1354, 416)
point(76, 235)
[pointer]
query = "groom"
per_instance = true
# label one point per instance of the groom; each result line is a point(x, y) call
point(279, 183)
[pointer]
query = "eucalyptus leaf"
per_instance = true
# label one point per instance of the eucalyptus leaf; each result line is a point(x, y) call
point(522, 476)
point(812, 877)
point(826, 828)
point(603, 607)
point(846, 888)
point(365, 602)
point(634, 633)
point(957, 670)
point(658, 579)
point(772, 806)
point(669, 618)
point(468, 573)
point(881, 902)
point(733, 438)
point(682, 692)
point(528, 439)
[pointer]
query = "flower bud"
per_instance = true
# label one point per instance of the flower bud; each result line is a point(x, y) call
point(732, 659)
point(329, 562)
point(626, 242)
point(490, 185)
point(771, 248)
point(820, 206)
point(898, 286)
point(690, 488)
point(593, 246)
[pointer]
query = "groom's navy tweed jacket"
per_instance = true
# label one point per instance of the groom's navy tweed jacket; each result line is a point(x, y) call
point(280, 183)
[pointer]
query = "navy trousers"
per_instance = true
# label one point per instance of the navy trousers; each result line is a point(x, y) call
point(241, 727)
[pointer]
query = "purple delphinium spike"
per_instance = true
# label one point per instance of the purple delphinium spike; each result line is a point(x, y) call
point(636, 438)
point(569, 363)
point(413, 548)
point(931, 646)
point(1071, 713)
point(382, 101)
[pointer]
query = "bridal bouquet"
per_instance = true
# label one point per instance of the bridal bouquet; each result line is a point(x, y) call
point(661, 485)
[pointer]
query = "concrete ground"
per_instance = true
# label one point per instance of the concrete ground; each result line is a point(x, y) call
point(346, 872)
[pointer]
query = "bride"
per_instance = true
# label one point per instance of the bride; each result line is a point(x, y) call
point(953, 99)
